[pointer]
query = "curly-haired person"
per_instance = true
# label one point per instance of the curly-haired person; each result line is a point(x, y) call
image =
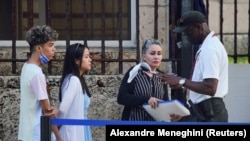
point(34, 101)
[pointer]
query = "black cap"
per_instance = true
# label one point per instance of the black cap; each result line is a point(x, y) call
point(187, 19)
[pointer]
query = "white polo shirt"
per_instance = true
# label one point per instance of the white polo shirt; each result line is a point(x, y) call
point(211, 62)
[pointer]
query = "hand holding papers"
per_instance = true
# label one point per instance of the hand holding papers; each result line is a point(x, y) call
point(162, 113)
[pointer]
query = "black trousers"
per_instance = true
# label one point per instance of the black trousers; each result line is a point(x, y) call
point(210, 110)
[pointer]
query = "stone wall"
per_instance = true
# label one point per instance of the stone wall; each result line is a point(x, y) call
point(95, 52)
point(103, 103)
point(103, 100)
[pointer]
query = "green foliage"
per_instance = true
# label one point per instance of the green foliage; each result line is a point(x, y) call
point(240, 60)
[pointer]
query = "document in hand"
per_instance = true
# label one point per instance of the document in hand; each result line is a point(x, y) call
point(162, 113)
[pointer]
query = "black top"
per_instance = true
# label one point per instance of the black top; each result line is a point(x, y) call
point(133, 95)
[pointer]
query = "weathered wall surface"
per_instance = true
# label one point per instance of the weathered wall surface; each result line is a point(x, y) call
point(103, 103)
point(103, 100)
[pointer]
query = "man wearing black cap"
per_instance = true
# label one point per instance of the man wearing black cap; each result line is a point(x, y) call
point(208, 83)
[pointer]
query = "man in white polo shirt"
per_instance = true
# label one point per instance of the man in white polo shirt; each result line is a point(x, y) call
point(208, 83)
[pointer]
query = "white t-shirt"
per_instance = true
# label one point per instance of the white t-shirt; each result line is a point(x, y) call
point(32, 89)
point(211, 62)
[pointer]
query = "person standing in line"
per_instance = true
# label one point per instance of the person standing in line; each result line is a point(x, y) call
point(140, 84)
point(209, 79)
point(74, 94)
point(34, 100)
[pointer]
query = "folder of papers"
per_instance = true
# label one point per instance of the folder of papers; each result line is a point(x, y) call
point(165, 108)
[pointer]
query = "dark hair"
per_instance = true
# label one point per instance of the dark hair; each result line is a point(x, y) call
point(40, 35)
point(148, 42)
point(73, 52)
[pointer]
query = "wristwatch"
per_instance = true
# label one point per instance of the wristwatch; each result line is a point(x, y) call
point(182, 81)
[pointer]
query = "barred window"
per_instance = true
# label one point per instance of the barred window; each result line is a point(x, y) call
point(104, 18)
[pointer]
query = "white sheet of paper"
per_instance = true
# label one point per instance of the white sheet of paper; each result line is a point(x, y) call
point(162, 113)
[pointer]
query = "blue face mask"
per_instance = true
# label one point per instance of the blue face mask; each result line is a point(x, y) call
point(44, 59)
